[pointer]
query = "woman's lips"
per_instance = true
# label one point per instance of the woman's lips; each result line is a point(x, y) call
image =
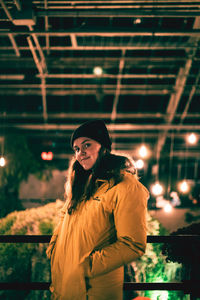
point(84, 158)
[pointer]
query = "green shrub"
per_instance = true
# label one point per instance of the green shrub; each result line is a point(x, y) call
point(28, 262)
point(152, 266)
point(6, 224)
point(46, 227)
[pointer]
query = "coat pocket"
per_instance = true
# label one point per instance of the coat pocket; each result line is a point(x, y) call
point(73, 284)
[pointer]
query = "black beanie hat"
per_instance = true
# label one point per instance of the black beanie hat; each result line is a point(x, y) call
point(95, 130)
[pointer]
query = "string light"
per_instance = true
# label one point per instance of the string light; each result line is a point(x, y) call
point(2, 158)
point(139, 164)
point(157, 189)
point(184, 187)
point(2, 161)
point(143, 152)
point(192, 138)
point(98, 71)
point(137, 21)
point(167, 208)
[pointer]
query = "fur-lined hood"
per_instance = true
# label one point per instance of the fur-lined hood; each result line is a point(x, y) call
point(82, 184)
point(112, 165)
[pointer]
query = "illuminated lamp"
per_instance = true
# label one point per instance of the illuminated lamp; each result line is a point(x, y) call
point(157, 189)
point(98, 71)
point(47, 155)
point(192, 138)
point(143, 152)
point(137, 21)
point(2, 161)
point(167, 208)
point(139, 164)
point(184, 187)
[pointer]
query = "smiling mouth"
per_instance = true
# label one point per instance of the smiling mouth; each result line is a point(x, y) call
point(85, 158)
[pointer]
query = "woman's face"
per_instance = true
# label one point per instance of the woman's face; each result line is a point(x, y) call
point(86, 151)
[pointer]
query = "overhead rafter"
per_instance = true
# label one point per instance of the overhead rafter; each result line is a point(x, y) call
point(149, 88)
point(40, 66)
point(122, 127)
point(107, 32)
point(179, 88)
point(88, 115)
point(118, 87)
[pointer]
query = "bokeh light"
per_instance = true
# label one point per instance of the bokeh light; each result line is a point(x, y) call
point(2, 161)
point(168, 208)
point(139, 164)
point(143, 151)
point(192, 138)
point(184, 187)
point(157, 189)
point(98, 71)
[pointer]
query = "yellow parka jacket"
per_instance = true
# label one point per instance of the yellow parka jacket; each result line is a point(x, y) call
point(90, 246)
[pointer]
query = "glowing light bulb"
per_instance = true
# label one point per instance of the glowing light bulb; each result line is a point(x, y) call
point(192, 138)
point(2, 161)
point(184, 187)
point(167, 208)
point(47, 155)
point(139, 164)
point(137, 21)
point(157, 189)
point(98, 71)
point(143, 151)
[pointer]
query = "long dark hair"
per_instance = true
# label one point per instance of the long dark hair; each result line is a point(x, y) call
point(82, 184)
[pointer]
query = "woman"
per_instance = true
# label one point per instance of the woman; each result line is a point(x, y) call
point(103, 222)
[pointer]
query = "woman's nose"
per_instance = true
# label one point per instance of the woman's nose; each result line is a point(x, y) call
point(82, 151)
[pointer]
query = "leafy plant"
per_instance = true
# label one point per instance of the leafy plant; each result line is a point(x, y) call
point(28, 262)
point(20, 163)
point(174, 251)
point(21, 262)
point(152, 266)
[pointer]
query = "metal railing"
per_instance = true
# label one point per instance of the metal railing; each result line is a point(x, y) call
point(191, 287)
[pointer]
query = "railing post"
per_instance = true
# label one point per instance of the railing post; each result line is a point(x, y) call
point(195, 278)
point(190, 269)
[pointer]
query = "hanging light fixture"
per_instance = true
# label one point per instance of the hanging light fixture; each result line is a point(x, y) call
point(143, 151)
point(98, 71)
point(2, 161)
point(184, 187)
point(192, 138)
point(2, 158)
point(137, 21)
point(157, 189)
point(139, 164)
point(167, 208)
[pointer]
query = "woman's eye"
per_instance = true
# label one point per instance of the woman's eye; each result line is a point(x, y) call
point(76, 150)
point(87, 145)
